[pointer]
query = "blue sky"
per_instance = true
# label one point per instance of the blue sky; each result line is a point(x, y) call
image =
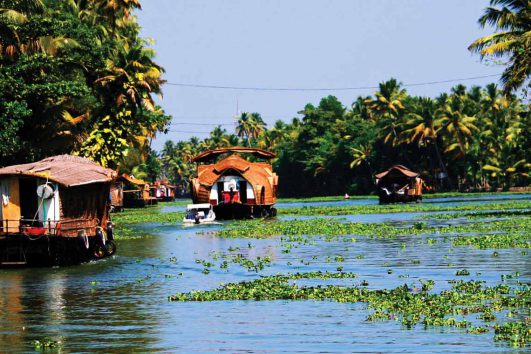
point(303, 44)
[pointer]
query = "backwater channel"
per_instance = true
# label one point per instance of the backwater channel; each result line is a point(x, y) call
point(121, 304)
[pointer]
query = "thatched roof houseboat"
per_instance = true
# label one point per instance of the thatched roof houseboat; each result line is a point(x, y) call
point(163, 191)
point(55, 211)
point(399, 185)
point(236, 187)
point(136, 192)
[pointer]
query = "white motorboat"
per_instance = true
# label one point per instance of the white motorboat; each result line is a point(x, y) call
point(199, 214)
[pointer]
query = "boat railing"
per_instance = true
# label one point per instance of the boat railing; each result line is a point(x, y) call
point(39, 227)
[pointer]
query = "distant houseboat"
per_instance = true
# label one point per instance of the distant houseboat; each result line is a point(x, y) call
point(399, 185)
point(135, 192)
point(55, 212)
point(236, 187)
point(163, 191)
point(117, 196)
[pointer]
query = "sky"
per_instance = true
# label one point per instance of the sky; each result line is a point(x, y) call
point(303, 44)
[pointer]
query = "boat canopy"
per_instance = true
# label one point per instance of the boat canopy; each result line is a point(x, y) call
point(398, 169)
point(211, 154)
point(67, 170)
point(132, 180)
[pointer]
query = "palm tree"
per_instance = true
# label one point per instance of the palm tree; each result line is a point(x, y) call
point(133, 76)
point(511, 40)
point(361, 108)
point(504, 163)
point(250, 126)
point(243, 127)
point(361, 155)
point(420, 122)
point(421, 126)
point(11, 45)
point(456, 125)
point(257, 125)
point(387, 107)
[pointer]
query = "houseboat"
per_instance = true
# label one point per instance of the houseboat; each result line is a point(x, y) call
point(233, 185)
point(55, 212)
point(399, 185)
point(163, 191)
point(136, 192)
point(117, 196)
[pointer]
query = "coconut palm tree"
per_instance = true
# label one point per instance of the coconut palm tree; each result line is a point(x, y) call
point(257, 125)
point(504, 163)
point(511, 39)
point(387, 108)
point(243, 127)
point(362, 155)
point(455, 125)
point(250, 126)
point(133, 76)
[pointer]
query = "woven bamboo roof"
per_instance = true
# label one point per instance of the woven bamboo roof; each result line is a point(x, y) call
point(211, 154)
point(400, 169)
point(67, 170)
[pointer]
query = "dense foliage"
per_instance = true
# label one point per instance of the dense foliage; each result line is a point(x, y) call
point(478, 138)
point(510, 42)
point(75, 77)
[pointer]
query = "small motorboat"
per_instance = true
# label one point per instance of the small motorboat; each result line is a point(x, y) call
point(199, 214)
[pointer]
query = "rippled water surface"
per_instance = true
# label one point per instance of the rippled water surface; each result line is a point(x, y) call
point(120, 304)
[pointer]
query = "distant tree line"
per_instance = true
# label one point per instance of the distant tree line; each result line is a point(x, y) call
point(468, 139)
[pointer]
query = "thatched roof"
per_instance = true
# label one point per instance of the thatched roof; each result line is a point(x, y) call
point(211, 154)
point(131, 179)
point(398, 169)
point(258, 174)
point(64, 169)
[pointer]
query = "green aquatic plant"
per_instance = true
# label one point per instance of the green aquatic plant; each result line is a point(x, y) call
point(400, 208)
point(462, 272)
point(409, 305)
point(517, 333)
point(46, 343)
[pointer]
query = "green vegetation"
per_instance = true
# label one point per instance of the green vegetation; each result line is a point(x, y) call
point(503, 233)
point(150, 214)
point(76, 77)
point(46, 344)
point(409, 306)
point(399, 208)
point(510, 40)
point(475, 136)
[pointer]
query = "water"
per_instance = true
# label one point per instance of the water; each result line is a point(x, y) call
point(120, 304)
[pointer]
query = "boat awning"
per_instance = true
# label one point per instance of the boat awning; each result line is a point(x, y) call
point(400, 169)
point(211, 154)
point(64, 169)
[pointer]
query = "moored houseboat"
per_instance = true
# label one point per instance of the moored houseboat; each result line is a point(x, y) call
point(136, 192)
point(117, 196)
point(55, 212)
point(399, 185)
point(163, 191)
point(236, 187)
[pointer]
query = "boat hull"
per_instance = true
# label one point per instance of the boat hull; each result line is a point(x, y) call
point(243, 211)
point(23, 250)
